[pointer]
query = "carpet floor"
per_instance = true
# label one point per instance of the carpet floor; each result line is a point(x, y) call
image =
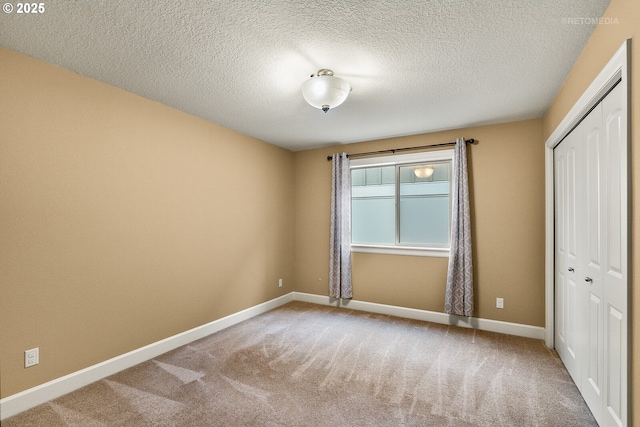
point(310, 365)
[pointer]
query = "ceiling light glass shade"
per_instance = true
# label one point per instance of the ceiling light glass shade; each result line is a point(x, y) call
point(425, 172)
point(324, 91)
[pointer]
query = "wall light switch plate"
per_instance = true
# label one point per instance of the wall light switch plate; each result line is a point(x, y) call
point(499, 303)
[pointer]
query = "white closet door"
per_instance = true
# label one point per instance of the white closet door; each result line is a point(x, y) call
point(615, 262)
point(591, 258)
point(566, 159)
point(591, 263)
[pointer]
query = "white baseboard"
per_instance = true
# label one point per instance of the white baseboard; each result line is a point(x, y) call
point(527, 331)
point(32, 397)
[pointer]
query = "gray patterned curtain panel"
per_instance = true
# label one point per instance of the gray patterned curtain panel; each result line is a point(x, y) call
point(340, 251)
point(459, 292)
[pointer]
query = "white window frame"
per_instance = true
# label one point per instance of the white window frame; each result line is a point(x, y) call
point(401, 159)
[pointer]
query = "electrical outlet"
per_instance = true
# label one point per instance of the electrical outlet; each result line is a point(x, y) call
point(499, 302)
point(31, 357)
point(279, 283)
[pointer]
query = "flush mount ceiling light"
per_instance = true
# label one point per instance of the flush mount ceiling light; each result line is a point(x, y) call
point(324, 91)
point(423, 172)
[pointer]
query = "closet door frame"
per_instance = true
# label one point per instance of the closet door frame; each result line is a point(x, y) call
point(616, 70)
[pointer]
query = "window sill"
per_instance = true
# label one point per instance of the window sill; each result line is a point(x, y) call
point(401, 250)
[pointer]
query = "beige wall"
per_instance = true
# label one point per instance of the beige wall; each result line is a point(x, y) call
point(123, 221)
point(506, 178)
point(622, 21)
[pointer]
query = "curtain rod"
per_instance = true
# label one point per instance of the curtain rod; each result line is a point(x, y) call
point(395, 150)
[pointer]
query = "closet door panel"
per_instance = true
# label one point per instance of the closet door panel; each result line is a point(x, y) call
point(614, 226)
point(594, 186)
point(573, 323)
point(561, 320)
point(561, 251)
point(594, 355)
point(615, 396)
point(572, 202)
point(616, 210)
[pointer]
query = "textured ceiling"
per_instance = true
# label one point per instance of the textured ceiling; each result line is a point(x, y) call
point(415, 66)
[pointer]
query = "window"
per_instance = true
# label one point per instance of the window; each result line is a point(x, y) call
point(401, 204)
